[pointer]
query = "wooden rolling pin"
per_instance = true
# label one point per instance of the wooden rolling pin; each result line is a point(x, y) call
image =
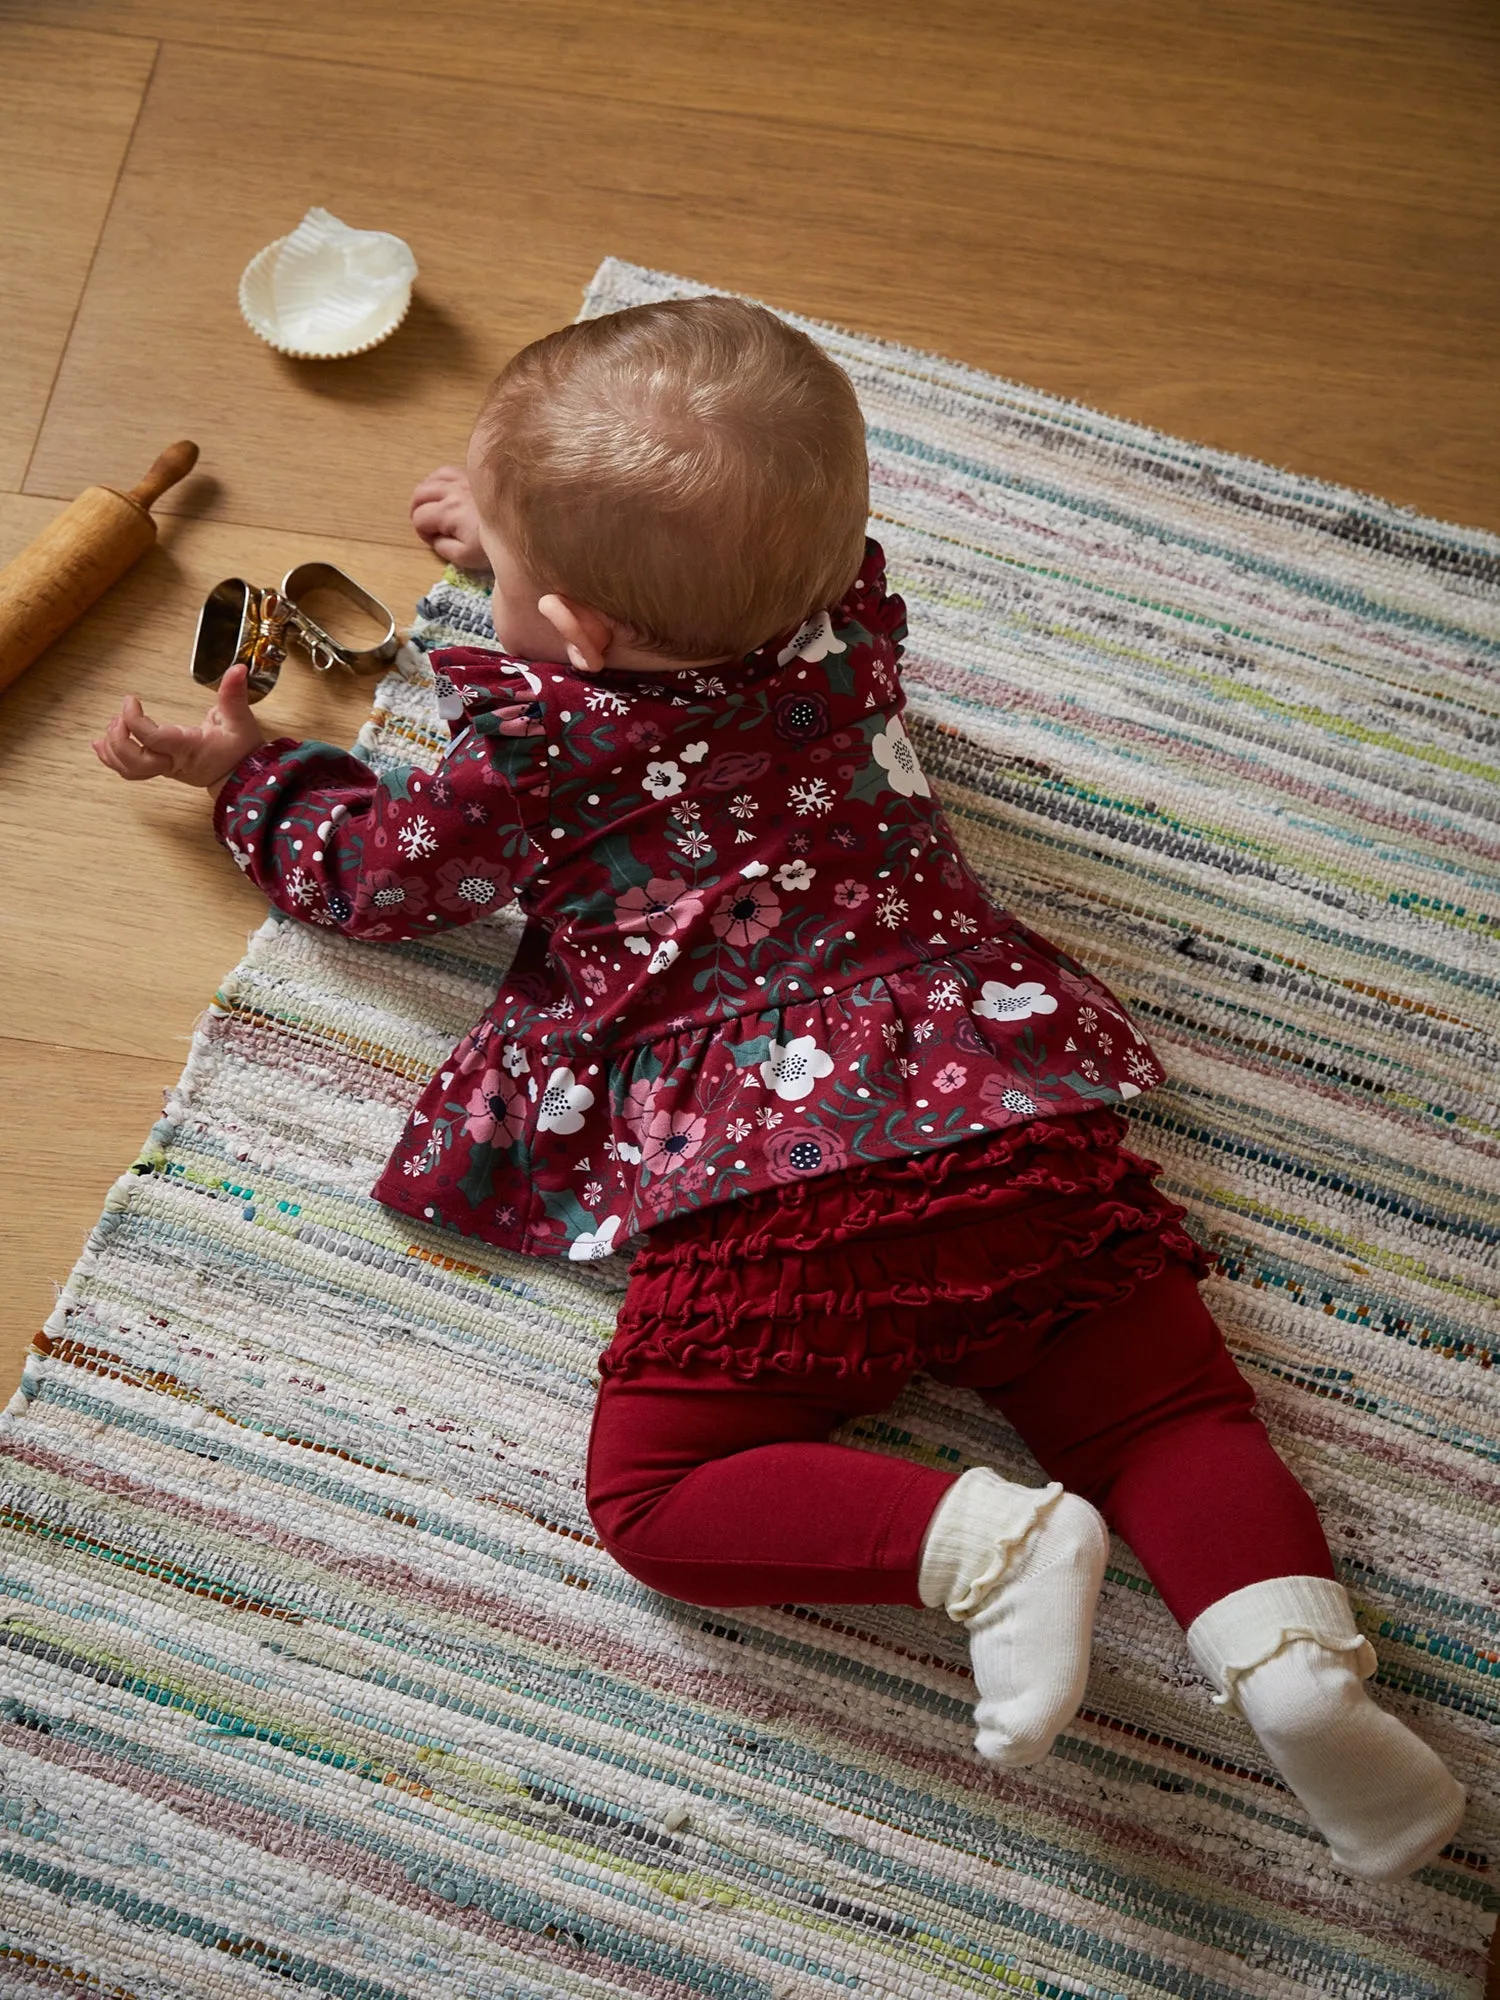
point(75, 559)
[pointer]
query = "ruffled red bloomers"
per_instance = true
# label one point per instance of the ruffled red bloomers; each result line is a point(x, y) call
point(927, 1258)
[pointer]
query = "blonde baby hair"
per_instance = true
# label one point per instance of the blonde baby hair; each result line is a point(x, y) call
point(694, 470)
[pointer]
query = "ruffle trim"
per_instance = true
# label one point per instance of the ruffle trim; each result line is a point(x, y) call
point(954, 1184)
point(746, 1336)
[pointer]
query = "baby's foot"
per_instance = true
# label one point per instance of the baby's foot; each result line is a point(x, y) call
point(1381, 1797)
point(444, 515)
point(1021, 1567)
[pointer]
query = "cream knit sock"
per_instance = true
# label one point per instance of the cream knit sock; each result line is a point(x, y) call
point(1288, 1657)
point(1021, 1567)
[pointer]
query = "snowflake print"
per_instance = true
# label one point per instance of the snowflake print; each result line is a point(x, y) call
point(891, 908)
point(417, 839)
point(843, 836)
point(795, 875)
point(664, 781)
point(301, 887)
point(604, 701)
point(743, 805)
point(951, 1077)
point(810, 795)
point(800, 841)
point(946, 993)
point(1141, 1067)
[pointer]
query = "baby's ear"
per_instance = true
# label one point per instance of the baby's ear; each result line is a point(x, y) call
point(587, 634)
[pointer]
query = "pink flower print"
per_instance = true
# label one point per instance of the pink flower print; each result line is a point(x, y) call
point(849, 894)
point(639, 1106)
point(951, 1077)
point(663, 906)
point(670, 1140)
point(593, 977)
point(468, 886)
point(1002, 1101)
point(521, 718)
point(496, 1111)
point(749, 913)
point(392, 894)
point(802, 1151)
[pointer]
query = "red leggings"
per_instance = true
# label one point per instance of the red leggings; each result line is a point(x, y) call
point(709, 1476)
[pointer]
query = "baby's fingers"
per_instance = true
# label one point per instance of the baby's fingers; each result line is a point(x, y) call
point(153, 735)
point(120, 752)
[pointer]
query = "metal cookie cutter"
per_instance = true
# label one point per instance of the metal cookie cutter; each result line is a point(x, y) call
point(242, 621)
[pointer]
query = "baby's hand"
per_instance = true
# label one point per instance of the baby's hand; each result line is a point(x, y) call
point(444, 515)
point(137, 747)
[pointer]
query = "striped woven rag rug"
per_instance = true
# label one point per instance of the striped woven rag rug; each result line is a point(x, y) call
point(313, 1672)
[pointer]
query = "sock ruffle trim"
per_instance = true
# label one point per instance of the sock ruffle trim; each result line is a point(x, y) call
point(1242, 1631)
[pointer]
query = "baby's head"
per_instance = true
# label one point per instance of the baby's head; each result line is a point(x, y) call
point(674, 483)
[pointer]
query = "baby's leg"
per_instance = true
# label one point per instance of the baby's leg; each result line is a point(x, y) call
point(723, 1492)
point(1141, 1408)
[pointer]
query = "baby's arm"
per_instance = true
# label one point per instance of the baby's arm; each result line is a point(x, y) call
point(330, 841)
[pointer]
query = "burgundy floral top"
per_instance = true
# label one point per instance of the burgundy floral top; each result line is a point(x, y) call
point(752, 949)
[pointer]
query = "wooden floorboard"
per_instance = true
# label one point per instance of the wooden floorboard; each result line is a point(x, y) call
point(68, 103)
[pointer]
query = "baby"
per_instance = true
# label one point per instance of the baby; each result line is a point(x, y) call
point(765, 1026)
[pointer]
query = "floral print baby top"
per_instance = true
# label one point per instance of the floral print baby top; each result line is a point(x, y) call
point(752, 952)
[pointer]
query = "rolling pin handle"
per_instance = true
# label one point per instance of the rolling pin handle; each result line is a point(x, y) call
point(175, 463)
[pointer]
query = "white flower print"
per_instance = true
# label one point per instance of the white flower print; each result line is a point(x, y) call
point(813, 642)
point(620, 1149)
point(593, 1194)
point(664, 781)
point(514, 1059)
point(894, 752)
point(1088, 1019)
point(906, 1067)
point(637, 943)
point(946, 993)
point(450, 703)
point(791, 1069)
point(890, 908)
point(694, 844)
point(693, 753)
point(753, 869)
point(1106, 1043)
point(663, 955)
point(924, 1031)
point(709, 684)
point(998, 1002)
point(744, 806)
point(416, 838)
point(590, 1244)
point(737, 1129)
point(810, 795)
point(564, 1102)
point(795, 875)
point(891, 1033)
point(769, 1119)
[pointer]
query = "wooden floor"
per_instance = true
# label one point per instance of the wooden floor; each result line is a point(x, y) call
point(1267, 226)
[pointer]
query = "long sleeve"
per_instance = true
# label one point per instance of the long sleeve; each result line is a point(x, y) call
point(332, 842)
